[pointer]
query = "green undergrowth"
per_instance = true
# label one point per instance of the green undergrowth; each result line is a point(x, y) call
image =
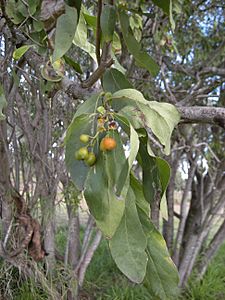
point(212, 286)
point(105, 282)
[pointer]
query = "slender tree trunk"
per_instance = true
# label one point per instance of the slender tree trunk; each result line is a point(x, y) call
point(73, 249)
point(183, 213)
point(5, 186)
point(48, 215)
point(74, 246)
point(168, 225)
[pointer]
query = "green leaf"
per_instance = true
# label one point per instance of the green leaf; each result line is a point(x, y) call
point(161, 278)
point(161, 118)
point(163, 4)
point(99, 192)
point(73, 64)
point(117, 65)
point(116, 44)
point(164, 173)
point(142, 58)
point(151, 181)
point(167, 7)
point(129, 242)
point(122, 187)
point(156, 175)
point(19, 52)
point(114, 80)
point(2, 103)
point(157, 123)
point(91, 20)
point(13, 13)
point(22, 8)
point(171, 16)
point(81, 38)
point(127, 97)
point(38, 25)
point(33, 5)
point(171, 116)
point(137, 188)
point(83, 124)
point(108, 22)
point(76, 4)
point(90, 105)
point(65, 31)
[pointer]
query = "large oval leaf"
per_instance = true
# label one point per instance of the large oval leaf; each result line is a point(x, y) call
point(129, 242)
point(81, 38)
point(65, 31)
point(122, 187)
point(114, 80)
point(83, 124)
point(108, 22)
point(160, 118)
point(100, 191)
point(89, 106)
point(161, 278)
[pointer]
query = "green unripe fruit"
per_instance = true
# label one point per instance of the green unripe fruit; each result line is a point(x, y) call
point(84, 138)
point(82, 153)
point(101, 110)
point(108, 95)
point(91, 159)
point(77, 155)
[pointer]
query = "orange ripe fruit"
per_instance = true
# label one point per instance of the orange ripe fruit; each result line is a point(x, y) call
point(107, 143)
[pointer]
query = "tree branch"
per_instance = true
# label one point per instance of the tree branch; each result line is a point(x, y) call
point(213, 70)
point(97, 74)
point(203, 114)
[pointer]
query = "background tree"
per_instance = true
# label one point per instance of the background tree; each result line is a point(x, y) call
point(54, 55)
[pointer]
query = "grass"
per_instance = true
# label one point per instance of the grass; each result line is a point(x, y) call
point(212, 286)
point(105, 282)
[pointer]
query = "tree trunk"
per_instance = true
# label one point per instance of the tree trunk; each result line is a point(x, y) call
point(5, 186)
point(183, 213)
point(168, 225)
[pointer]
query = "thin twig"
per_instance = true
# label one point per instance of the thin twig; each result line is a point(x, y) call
point(98, 32)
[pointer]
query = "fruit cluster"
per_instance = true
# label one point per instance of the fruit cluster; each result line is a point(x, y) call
point(107, 144)
point(105, 122)
point(83, 153)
